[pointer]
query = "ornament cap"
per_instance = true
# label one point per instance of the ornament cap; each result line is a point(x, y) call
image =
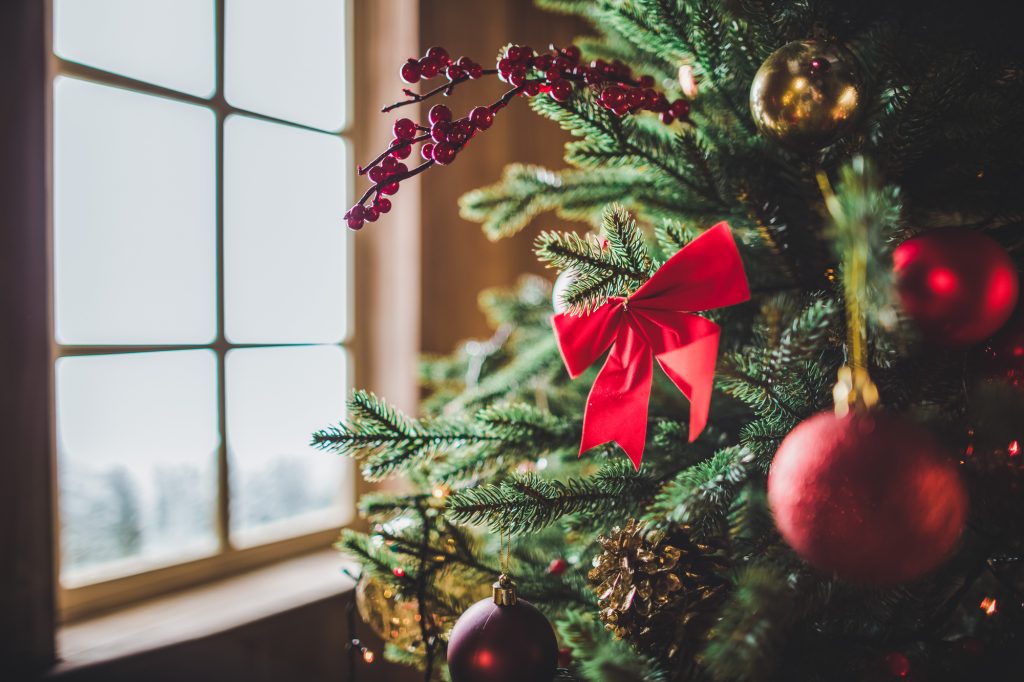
point(504, 591)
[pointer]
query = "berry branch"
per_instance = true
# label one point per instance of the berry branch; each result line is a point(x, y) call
point(555, 73)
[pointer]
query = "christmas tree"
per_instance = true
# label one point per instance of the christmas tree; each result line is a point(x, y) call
point(801, 457)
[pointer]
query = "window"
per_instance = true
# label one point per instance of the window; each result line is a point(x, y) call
point(202, 287)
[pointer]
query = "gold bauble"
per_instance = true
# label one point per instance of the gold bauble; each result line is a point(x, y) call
point(806, 95)
point(396, 620)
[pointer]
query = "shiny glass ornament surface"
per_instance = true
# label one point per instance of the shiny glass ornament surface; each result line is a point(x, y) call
point(871, 498)
point(960, 286)
point(806, 95)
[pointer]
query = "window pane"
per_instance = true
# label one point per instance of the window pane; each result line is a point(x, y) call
point(164, 42)
point(284, 242)
point(276, 399)
point(134, 216)
point(137, 443)
point(287, 59)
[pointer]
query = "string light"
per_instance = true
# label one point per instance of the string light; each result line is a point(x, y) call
point(1013, 448)
point(368, 656)
point(398, 572)
point(990, 606)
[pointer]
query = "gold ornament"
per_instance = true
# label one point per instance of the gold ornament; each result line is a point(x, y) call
point(657, 590)
point(395, 619)
point(806, 95)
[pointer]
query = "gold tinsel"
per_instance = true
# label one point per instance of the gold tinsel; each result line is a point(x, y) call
point(657, 590)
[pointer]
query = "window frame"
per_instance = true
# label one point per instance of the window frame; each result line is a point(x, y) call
point(74, 603)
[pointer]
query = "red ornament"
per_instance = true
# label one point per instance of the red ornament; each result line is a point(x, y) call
point(558, 566)
point(564, 658)
point(959, 285)
point(492, 643)
point(868, 497)
point(654, 321)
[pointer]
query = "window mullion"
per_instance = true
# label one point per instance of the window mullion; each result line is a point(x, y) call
point(223, 478)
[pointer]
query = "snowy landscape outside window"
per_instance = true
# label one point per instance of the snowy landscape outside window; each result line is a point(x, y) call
point(202, 285)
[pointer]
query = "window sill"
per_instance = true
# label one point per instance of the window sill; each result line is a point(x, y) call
point(204, 611)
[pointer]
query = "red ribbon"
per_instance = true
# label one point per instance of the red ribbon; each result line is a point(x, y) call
point(656, 320)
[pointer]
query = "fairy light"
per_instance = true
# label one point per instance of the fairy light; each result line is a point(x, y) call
point(368, 656)
point(990, 606)
point(1013, 448)
point(440, 492)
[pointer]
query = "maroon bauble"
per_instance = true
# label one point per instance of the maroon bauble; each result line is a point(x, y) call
point(958, 285)
point(492, 643)
point(869, 497)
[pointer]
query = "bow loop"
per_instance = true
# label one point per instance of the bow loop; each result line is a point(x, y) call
point(657, 324)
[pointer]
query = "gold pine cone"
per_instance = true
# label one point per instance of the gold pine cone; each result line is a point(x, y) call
point(657, 590)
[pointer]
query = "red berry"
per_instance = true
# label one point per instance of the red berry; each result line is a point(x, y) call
point(439, 55)
point(621, 109)
point(650, 98)
point(475, 71)
point(427, 151)
point(527, 53)
point(481, 117)
point(439, 112)
point(389, 188)
point(355, 223)
point(439, 131)
point(680, 108)
point(561, 64)
point(399, 169)
point(454, 72)
point(635, 98)
point(647, 81)
point(388, 164)
point(517, 76)
point(543, 62)
point(558, 566)
point(515, 53)
point(405, 129)
point(531, 89)
point(428, 67)
point(401, 151)
point(660, 104)
point(465, 62)
point(505, 65)
point(612, 96)
point(444, 153)
point(382, 204)
point(411, 71)
point(377, 173)
point(561, 90)
point(371, 214)
point(667, 118)
point(592, 76)
point(356, 212)
point(553, 75)
point(457, 136)
point(398, 572)
point(897, 664)
point(571, 52)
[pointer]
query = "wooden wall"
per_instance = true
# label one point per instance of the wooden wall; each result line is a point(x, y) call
point(457, 260)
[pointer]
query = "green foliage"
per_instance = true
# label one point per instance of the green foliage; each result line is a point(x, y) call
point(749, 639)
point(602, 658)
point(599, 268)
point(525, 503)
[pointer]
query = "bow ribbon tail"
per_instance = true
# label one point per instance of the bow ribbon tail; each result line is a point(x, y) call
point(617, 404)
point(686, 347)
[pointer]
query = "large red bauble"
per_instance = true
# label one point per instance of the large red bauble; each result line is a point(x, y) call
point(959, 285)
point(492, 643)
point(869, 498)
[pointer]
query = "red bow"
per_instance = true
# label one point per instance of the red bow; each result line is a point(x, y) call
point(707, 273)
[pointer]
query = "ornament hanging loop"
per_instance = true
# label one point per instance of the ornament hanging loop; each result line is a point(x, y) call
point(854, 389)
point(504, 590)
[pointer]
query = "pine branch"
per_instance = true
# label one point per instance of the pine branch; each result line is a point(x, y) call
point(701, 494)
point(748, 640)
point(526, 503)
point(600, 657)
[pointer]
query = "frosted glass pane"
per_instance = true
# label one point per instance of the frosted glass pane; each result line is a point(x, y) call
point(134, 216)
point(137, 443)
point(164, 42)
point(276, 399)
point(284, 242)
point(287, 59)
